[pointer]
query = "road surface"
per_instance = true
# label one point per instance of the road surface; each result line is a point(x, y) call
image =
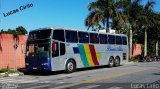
point(129, 76)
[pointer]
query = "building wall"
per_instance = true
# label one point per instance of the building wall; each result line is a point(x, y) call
point(137, 50)
point(7, 51)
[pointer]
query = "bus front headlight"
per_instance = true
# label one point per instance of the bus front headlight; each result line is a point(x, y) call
point(27, 64)
point(44, 64)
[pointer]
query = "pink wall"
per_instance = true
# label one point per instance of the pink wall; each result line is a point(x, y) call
point(7, 51)
point(137, 50)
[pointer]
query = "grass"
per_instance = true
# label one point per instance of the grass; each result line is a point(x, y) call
point(8, 71)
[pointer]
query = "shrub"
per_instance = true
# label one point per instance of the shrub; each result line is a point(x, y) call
point(137, 58)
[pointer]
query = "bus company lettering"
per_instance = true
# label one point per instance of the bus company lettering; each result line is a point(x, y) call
point(21, 8)
point(117, 48)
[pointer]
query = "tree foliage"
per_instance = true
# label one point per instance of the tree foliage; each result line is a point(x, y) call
point(127, 15)
point(100, 12)
point(20, 30)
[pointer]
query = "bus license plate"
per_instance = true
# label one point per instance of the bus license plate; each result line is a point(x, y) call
point(34, 68)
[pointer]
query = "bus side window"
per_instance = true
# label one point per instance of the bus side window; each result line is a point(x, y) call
point(103, 39)
point(58, 35)
point(111, 39)
point(62, 49)
point(118, 40)
point(94, 38)
point(71, 36)
point(83, 37)
point(55, 49)
point(124, 40)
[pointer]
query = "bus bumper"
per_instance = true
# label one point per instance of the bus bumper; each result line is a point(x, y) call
point(41, 64)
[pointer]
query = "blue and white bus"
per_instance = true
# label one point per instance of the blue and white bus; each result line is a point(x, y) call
point(54, 49)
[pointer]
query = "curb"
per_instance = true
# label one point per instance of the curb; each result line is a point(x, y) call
point(130, 63)
point(11, 74)
point(2, 75)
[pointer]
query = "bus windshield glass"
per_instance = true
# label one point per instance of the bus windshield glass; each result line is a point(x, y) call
point(40, 34)
point(38, 49)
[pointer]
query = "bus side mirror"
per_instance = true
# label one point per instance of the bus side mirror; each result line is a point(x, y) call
point(54, 47)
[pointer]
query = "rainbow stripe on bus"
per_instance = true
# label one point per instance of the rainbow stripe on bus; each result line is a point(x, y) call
point(88, 54)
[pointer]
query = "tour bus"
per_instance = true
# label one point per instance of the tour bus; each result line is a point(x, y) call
point(54, 49)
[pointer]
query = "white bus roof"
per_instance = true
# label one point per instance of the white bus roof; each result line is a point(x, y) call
point(75, 30)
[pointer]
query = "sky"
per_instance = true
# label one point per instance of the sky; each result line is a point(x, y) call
point(47, 13)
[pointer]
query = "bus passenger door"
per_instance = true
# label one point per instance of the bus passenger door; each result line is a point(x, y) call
point(55, 49)
point(58, 49)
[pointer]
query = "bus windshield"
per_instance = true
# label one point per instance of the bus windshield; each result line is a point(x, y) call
point(38, 49)
point(40, 34)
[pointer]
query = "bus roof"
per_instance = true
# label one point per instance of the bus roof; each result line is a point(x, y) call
point(75, 30)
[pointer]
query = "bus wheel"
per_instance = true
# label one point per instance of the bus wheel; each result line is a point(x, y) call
point(70, 66)
point(117, 61)
point(111, 62)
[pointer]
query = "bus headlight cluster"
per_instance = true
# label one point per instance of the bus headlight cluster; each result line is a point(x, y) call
point(44, 64)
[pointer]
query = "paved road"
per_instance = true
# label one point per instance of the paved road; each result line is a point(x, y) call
point(136, 75)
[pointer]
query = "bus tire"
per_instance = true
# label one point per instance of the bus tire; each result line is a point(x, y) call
point(111, 62)
point(117, 62)
point(70, 66)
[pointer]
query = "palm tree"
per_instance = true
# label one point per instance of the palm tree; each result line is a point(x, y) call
point(156, 16)
point(102, 9)
point(100, 12)
point(137, 15)
point(147, 20)
point(132, 13)
point(93, 20)
point(129, 9)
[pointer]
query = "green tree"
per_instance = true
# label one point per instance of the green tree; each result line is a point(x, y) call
point(21, 30)
point(148, 29)
point(129, 15)
point(100, 12)
point(1, 31)
point(129, 9)
point(10, 31)
point(148, 22)
point(139, 16)
point(156, 29)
